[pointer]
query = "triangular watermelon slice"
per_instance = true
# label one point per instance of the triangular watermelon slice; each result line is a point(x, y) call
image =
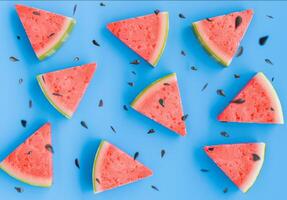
point(45, 30)
point(31, 162)
point(221, 35)
point(240, 162)
point(161, 102)
point(114, 168)
point(146, 35)
point(257, 102)
point(65, 88)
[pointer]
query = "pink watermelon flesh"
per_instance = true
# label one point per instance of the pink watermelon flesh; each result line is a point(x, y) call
point(221, 35)
point(45, 30)
point(31, 162)
point(161, 102)
point(114, 168)
point(240, 162)
point(146, 35)
point(257, 102)
point(65, 88)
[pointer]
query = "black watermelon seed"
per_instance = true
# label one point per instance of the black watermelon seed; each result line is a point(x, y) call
point(204, 170)
point(75, 9)
point(125, 108)
point(204, 87)
point(181, 16)
point(239, 51)
point(51, 35)
point(49, 148)
point(156, 11)
point(136, 155)
point(208, 19)
point(220, 92)
point(255, 157)
point(96, 43)
point(162, 153)
point(113, 129)
point(166, 84)
point(161, 102)
point(131, 84)
point(193, 68)
point(135, 62)
point(29, 152)
point(19, 189)
point(183, 53)
point(238, 101)
point(272, 109)
point(210, 148)
point(30, 103)
point(154, 187)
point(76, 59)
point(24, 123)
point(84, 124)
point(150, 131)
point(13, 59)
point(184, 117)
point(268, 61)
point(236, 76)
point(238, 21)
point(101, 103)
point(43, 78)
point(225, 190)
point(77, 163)
point(36, 13)
point(263, 40)
point(98, 181)
point(224, 134)
point(56, 94)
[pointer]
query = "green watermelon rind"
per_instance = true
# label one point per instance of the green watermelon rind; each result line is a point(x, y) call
point(95, 165)
point(49, 99)
point(23, 180)
point(258, 171)
point(64, 37)
point(166, 15)
point(207, 48)
point(144, 91)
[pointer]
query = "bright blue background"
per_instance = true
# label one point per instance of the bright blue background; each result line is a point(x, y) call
point(178, 174)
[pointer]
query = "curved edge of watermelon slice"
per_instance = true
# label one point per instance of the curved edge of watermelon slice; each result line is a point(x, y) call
point(164, 31)
point(248, 184)
point(207, 48)
point(275, 97)
point(143, 92)
point(95, 183)
point(63, 38)
point(40, 82)
point(12, 174)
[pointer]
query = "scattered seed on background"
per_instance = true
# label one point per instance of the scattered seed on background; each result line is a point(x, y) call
point(156, 11)
point(193, 68)
point(18, 37)
point(125, 108)
point(238, 21)
point(96, 43)
point(76, 59)
point(263, 40)
point(49, 148)
point(238, 101)
point(220, 92)
point(270, 16)
point(20, 81)
point(135, 62)
point(77, 163)
point(101, 103)
point(272, 79)
point(24, 123)
point(102, 4)
point(136, 155)
point(134, 73)
point(131, 84)
point(162, 153)
point(150, 131)
point(239, 51)
point(268, 61)
point(30, 103)
point(204, 170)
point(84, 124)
point(13, 59)
point(183, 53)
point(75, 9)
point(225, 190)
point(184, 117)
point(113, 129)
point(19, 189)
point(236, 76)
point(154, 187)
point(181, 16)
point(224, 134)
point(204, 87)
